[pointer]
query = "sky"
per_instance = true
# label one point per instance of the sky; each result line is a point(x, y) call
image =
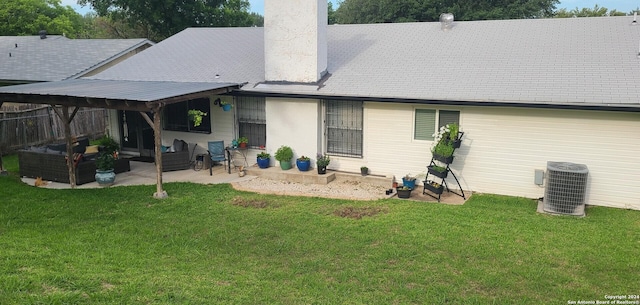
point(619, 5)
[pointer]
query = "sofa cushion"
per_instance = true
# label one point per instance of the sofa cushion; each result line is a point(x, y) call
point(57, 147)
point(177, 145)
point(38, 149)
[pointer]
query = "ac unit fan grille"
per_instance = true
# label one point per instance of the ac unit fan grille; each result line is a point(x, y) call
point(566, 187)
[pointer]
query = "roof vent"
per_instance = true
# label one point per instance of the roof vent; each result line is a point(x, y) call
point(635, 17)
point(43, 34)
point(446, 21)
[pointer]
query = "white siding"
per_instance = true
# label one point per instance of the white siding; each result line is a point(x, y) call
point(294, 123)
point(503, 147)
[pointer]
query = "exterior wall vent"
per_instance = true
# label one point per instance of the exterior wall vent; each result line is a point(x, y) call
point(446, 21)
point(566, 188)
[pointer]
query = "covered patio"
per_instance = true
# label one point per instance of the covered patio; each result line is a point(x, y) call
point(146, 97)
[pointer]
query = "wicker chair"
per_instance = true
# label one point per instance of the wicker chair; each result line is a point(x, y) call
point(177, 160)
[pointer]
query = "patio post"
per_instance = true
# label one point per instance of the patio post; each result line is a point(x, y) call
point(157, 132)
point(66, 120)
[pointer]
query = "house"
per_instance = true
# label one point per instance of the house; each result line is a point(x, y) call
point(524, 92)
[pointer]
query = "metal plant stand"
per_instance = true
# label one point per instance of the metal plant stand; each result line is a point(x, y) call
point(436, 191)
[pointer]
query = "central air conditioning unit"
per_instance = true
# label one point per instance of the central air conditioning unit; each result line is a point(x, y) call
point(566, 188)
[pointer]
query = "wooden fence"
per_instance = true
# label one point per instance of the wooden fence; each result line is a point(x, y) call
point(41, 125)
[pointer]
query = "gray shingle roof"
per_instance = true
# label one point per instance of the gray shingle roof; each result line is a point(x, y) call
point(137, 91)
point(57, 57)
point(198, 55)
point(575, 61)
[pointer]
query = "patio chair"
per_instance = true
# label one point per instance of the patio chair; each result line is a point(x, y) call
point(217, 153)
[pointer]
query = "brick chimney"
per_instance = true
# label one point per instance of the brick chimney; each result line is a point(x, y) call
point(295, 40)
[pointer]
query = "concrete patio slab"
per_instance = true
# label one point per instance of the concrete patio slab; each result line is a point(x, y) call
point(144, 173)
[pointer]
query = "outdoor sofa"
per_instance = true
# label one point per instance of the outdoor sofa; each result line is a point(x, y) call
point(50, 163)
point(176, 157)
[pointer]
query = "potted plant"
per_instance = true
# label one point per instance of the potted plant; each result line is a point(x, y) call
point(404, 191)
point(108, 144)
point(105, 176)
point(195, 116)
point(225, 106)
point(322, 161)
point(108, 153)
point(242, 142)
point(434, 187)
point(364, 170)
point(303, 163)
point(445, 142)
point(438, 171)
point(263, 159)
point(409, 181)
point(443, 151)
point(284, 155)
point(454, 132)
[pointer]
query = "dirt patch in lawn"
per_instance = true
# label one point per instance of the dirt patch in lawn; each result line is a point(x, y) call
point(359, 212)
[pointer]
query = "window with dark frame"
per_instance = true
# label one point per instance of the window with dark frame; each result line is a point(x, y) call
point(344, 125)
point(252, 122)
point(426, 125)
point(176, 116)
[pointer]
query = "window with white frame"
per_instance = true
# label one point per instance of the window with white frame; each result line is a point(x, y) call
point(252, 121)
point(428, 121)
point(344, 127)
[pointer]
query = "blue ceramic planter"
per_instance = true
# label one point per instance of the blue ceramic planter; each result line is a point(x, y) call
point(263, 163)
point(105, 178)
point(303, 165)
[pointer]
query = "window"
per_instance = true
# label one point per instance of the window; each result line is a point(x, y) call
point(344, 128)
point(426, 124)
point(252, 122)
point(176, 116)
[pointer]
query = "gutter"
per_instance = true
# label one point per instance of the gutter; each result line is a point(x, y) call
point(608, 107)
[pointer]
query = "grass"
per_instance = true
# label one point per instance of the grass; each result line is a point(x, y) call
point(210, 244)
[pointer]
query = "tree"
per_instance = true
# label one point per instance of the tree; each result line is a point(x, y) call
point(164, 18)
point(28, 17)
point(257, 19)
point(105, 28)
point(331, 13)
point(378, 11)
point(596, 11)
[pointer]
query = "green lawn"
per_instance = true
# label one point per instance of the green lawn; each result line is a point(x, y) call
point(210, 244)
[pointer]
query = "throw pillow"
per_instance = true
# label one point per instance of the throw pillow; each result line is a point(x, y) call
point(92, 149)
